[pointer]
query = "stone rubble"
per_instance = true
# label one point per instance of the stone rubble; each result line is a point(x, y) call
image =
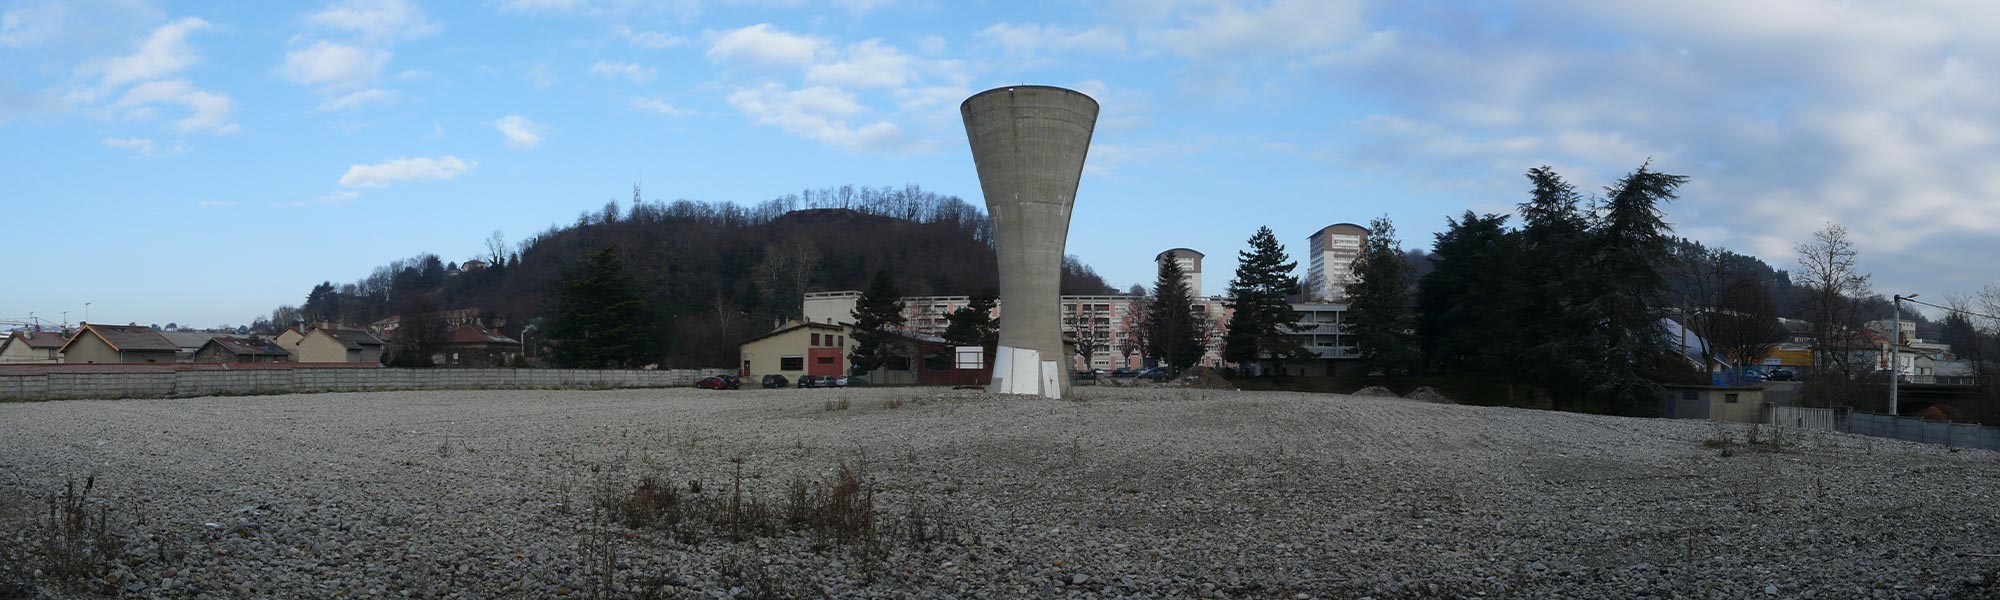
point(1129, 493)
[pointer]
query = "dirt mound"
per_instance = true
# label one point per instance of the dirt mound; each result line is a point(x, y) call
point(1375, 390)
point(1202, 378)
point(1429, 394)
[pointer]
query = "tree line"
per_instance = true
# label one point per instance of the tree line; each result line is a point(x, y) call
point(707, 275)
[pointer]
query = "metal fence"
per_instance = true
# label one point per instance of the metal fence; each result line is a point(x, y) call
point(1913, 429)
point(57, 386)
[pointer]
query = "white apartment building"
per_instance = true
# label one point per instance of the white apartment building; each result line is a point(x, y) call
point(1107, 324)
point(1331, 268)
point(1190, 262)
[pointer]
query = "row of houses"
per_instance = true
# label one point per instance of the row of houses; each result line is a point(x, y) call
point(94, 343)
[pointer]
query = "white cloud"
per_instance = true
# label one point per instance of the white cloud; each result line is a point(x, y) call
point(359, 99)
point(143, 146)
point(331, 198)
point(379, 19)
point(652, 40)
point(215, 204)
point(1233, 32)
point(382, 174)
point(333, 65)
point(543, 5)
point(521, 133)
point(761, 45)
point(864, 65)
point(30, 25)
point(623, 70)
point(207, 111)
point(659, 107)
point(818, 113)
point(1033, 39)
point(164, 52)
point(540, 76)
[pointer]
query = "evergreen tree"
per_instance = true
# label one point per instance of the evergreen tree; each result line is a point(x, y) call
point(1174, 333)
point(1549, 333)
point(598, 319)
point(974, 325)
point(876, 313)
point(1378, 303)
point(1264, 320)
point(1627, 261)
point(1467, 304)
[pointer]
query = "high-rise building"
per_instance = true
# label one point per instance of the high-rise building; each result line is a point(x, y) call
point(1190, 262)
point(1333, 250)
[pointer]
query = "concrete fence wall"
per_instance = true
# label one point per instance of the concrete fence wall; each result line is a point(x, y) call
point(57, 386)
point(1913, 429)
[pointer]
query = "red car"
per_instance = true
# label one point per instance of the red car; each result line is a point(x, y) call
point(720, 382)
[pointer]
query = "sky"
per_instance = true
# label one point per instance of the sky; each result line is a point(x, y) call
point(201, 163)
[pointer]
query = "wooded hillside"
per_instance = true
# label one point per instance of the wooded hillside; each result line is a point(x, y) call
point(714, 274)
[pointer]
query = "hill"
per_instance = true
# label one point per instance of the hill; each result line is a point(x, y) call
point(714, 273)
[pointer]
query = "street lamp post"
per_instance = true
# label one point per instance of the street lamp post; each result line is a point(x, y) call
point(524, 341)
point(1895, 350)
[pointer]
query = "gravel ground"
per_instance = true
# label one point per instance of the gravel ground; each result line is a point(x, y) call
point(1131, 493)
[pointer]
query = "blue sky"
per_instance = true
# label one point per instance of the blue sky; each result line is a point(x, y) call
point(202, 163)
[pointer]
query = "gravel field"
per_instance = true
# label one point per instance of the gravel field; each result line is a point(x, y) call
point(1130, 493)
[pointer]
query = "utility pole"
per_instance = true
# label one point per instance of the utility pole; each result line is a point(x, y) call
point(1895, 354)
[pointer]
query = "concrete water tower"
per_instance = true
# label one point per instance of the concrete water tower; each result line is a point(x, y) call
point(1028, 142)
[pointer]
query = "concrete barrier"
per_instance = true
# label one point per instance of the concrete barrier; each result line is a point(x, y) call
point(61, 386)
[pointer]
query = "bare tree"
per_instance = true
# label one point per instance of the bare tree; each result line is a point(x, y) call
point(1746, 328)
point(496, 249)
point(1834, 290)
point(1701, 275)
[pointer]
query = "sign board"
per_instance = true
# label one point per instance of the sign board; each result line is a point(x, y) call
point(971, 357)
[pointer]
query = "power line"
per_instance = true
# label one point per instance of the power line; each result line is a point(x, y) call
point(1956, 310)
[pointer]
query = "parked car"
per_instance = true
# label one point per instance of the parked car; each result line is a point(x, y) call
point(811, 381)
point(1780, 375)
point(1124, 372)
point(836, 381)
point(854, 382)
point(776, 381)
point(719, 382)
point(1157, 374)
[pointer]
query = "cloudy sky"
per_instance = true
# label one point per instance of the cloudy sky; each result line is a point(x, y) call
point(203, 162)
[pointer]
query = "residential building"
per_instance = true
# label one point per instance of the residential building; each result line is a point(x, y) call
point(234, 349)
point(104, 344)
point(332, 345)
point(1322, 330)
point(795, 349)
point(1105, 326)
point(187, 342)
point(1190, 262)
point(475, 346)
point(31, 347)
point(1331, 252)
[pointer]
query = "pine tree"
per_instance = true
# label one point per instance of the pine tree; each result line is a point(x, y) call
point(876, 313)
point(1467, 304)
point(1379, 322)
point(973, 324)
point(1550, 335)
point(1627, 260)
point(599, 320)
point(1263, 323)
point(1174, 332)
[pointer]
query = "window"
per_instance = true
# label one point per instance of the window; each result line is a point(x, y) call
point(815, 339)
point(840, 340)
point(1729, 398)
point(792, 363)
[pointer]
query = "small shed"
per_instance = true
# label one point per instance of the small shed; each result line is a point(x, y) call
point(1737, 404)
